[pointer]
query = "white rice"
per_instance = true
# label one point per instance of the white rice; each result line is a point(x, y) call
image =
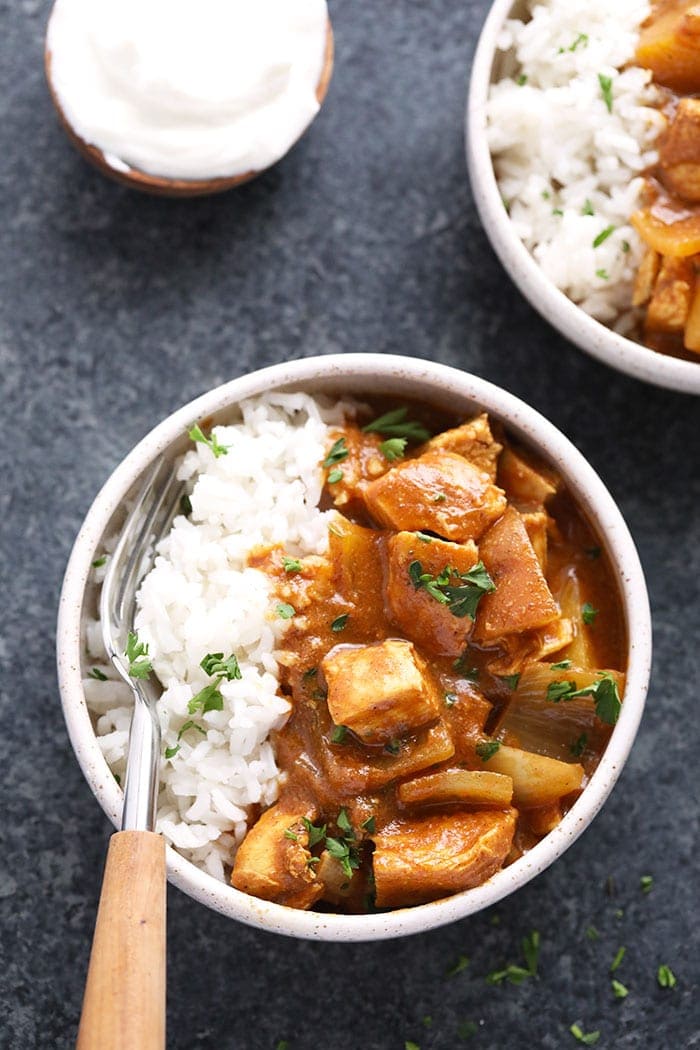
point(560, 153)
point(201, 597)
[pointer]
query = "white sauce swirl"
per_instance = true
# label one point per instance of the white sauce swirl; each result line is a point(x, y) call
point(190, 89)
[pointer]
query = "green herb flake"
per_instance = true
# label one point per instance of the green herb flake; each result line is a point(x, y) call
point(511, 680)
point(285, 611)
point(170, 752)
point(393, 747)
point(214, 664)
point(646, 882)
point(592, 933)
point(427, 1021)
point(185, 505)
point(587, 1038)
point(196, 434)
point(619, 990)
point(334, 476)
point(531, 951)
point(291, 564)
point(423, 537)
point(291, 835)
point(580, 41)
point(393, 448)
point(338, 734)
point(587, 209)
point(340, 622)
point(137, 654)
point(607, 93)
point(282, 1045)
point(619, 956)
point(605, 693)
point(603, 236)
point(207, 699)
point(546, 195)
point(410, 1045)
point(338, 452)
point(522, 80)
point(577, 747)
point(344, 823)
point(98, 675)
point(666, 977)
point(512, 974)
point(562, 690)
point(625, 246)
point(369, 825)
point(461, 597)
point(588, 613)
point(311, 672)
point(603, 275)
point(558, 212)
point(487, 749)
point(99, 562)
point(466, 1029)
point(619, 913)
point(189, 724)
point(451, 699)
point(345, 853)
point(563, 665)
point(461, 964)
point(395, 424)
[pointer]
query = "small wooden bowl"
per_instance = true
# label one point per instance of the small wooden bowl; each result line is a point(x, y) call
point(160, 185)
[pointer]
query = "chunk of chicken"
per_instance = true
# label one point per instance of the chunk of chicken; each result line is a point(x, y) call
point(438, 492)
point(424, 859)
point(669, 305)
point(363, 462)
point(522, 600)
point(420, 617)
point(679, 151)
point(474, 441)
point(536, 523)
point(526, 482)
point(354, 769)
point(379, 691)
point(273, 865)
point(669, 45)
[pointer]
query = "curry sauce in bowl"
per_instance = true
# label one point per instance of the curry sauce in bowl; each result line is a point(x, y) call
point(460, 645)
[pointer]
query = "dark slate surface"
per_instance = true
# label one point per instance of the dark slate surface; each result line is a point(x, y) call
point(114, 310)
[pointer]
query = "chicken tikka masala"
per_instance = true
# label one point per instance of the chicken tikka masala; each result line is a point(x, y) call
point(455, 664)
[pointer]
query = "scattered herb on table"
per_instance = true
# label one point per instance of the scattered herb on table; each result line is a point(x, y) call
point(587, 1038)
point(466, 1029)
point(619, 956)
point(461, 964)
point(619, 990)
point(517, 974)
point(592, 933)
point(646, 882)
point(666, 977)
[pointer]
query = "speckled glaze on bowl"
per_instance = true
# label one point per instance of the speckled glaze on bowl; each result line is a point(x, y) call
point(588, 334)
point(359, 374)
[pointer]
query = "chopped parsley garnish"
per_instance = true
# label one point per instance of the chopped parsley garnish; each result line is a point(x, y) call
point(185, 505)
point(462, 599)
point(291, 835)
point(557, 211)
point(588, 613)
point(517, 974)
point(603, 236)
point(592, 933)
point(393, 747)
point(466, 1029)
point(487, 749)
point(577, 747)
point(338, 734)
point(531, 951)
point(343, 849)
point(196, 434)
point(395, 424)
point(285, 611)
point(393, 448)
point(606, 91)
point(587, 1038)
point(619, 956)
point(440, 498)
point(522, 80)
point(338, 452)
point(291, 565)
point(451, 699)
point(666, 977)
point(310, 672)
point(137, 654)
point(343, 822)
point(461, 664)
point(604, 692)
point(207, 699)
point(563, 665)
point(189, 724)
point(95, 673)
point(461, 964)
point(587, 209)
point(580, 41)
point(511, 680)
point(99, 562)
point(546, 195)
point(625, 246)
point(603, 274)
point(646, 882)
point(423, 537)
point(619, 990)
point(214, 664)
point(282, 1045)
point(370, 825)
point(210, 697)
point(340, 622)
point(170, 752)
point(316, 834)
point(334, 476)
point(410, 1045)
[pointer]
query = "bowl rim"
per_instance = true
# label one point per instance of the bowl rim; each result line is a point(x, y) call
point(439, 384)
point(569, 319)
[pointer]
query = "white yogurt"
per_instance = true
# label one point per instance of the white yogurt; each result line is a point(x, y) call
point(190, 89)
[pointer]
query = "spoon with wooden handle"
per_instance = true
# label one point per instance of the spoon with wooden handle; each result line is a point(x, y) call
point(157, 184)
point(124, 1001)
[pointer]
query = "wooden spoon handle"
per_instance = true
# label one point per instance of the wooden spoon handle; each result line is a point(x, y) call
point(124, 1003)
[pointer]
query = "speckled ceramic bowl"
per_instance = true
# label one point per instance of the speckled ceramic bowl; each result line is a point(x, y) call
point(356, 374)
point(590, 335)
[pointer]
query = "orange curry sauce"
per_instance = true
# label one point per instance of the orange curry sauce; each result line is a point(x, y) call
point(393, 795)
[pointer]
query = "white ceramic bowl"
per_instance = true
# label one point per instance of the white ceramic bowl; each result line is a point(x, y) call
point(590, 335)
point(359, 374)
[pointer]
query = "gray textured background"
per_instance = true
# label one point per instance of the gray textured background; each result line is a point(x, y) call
point(114, 310)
